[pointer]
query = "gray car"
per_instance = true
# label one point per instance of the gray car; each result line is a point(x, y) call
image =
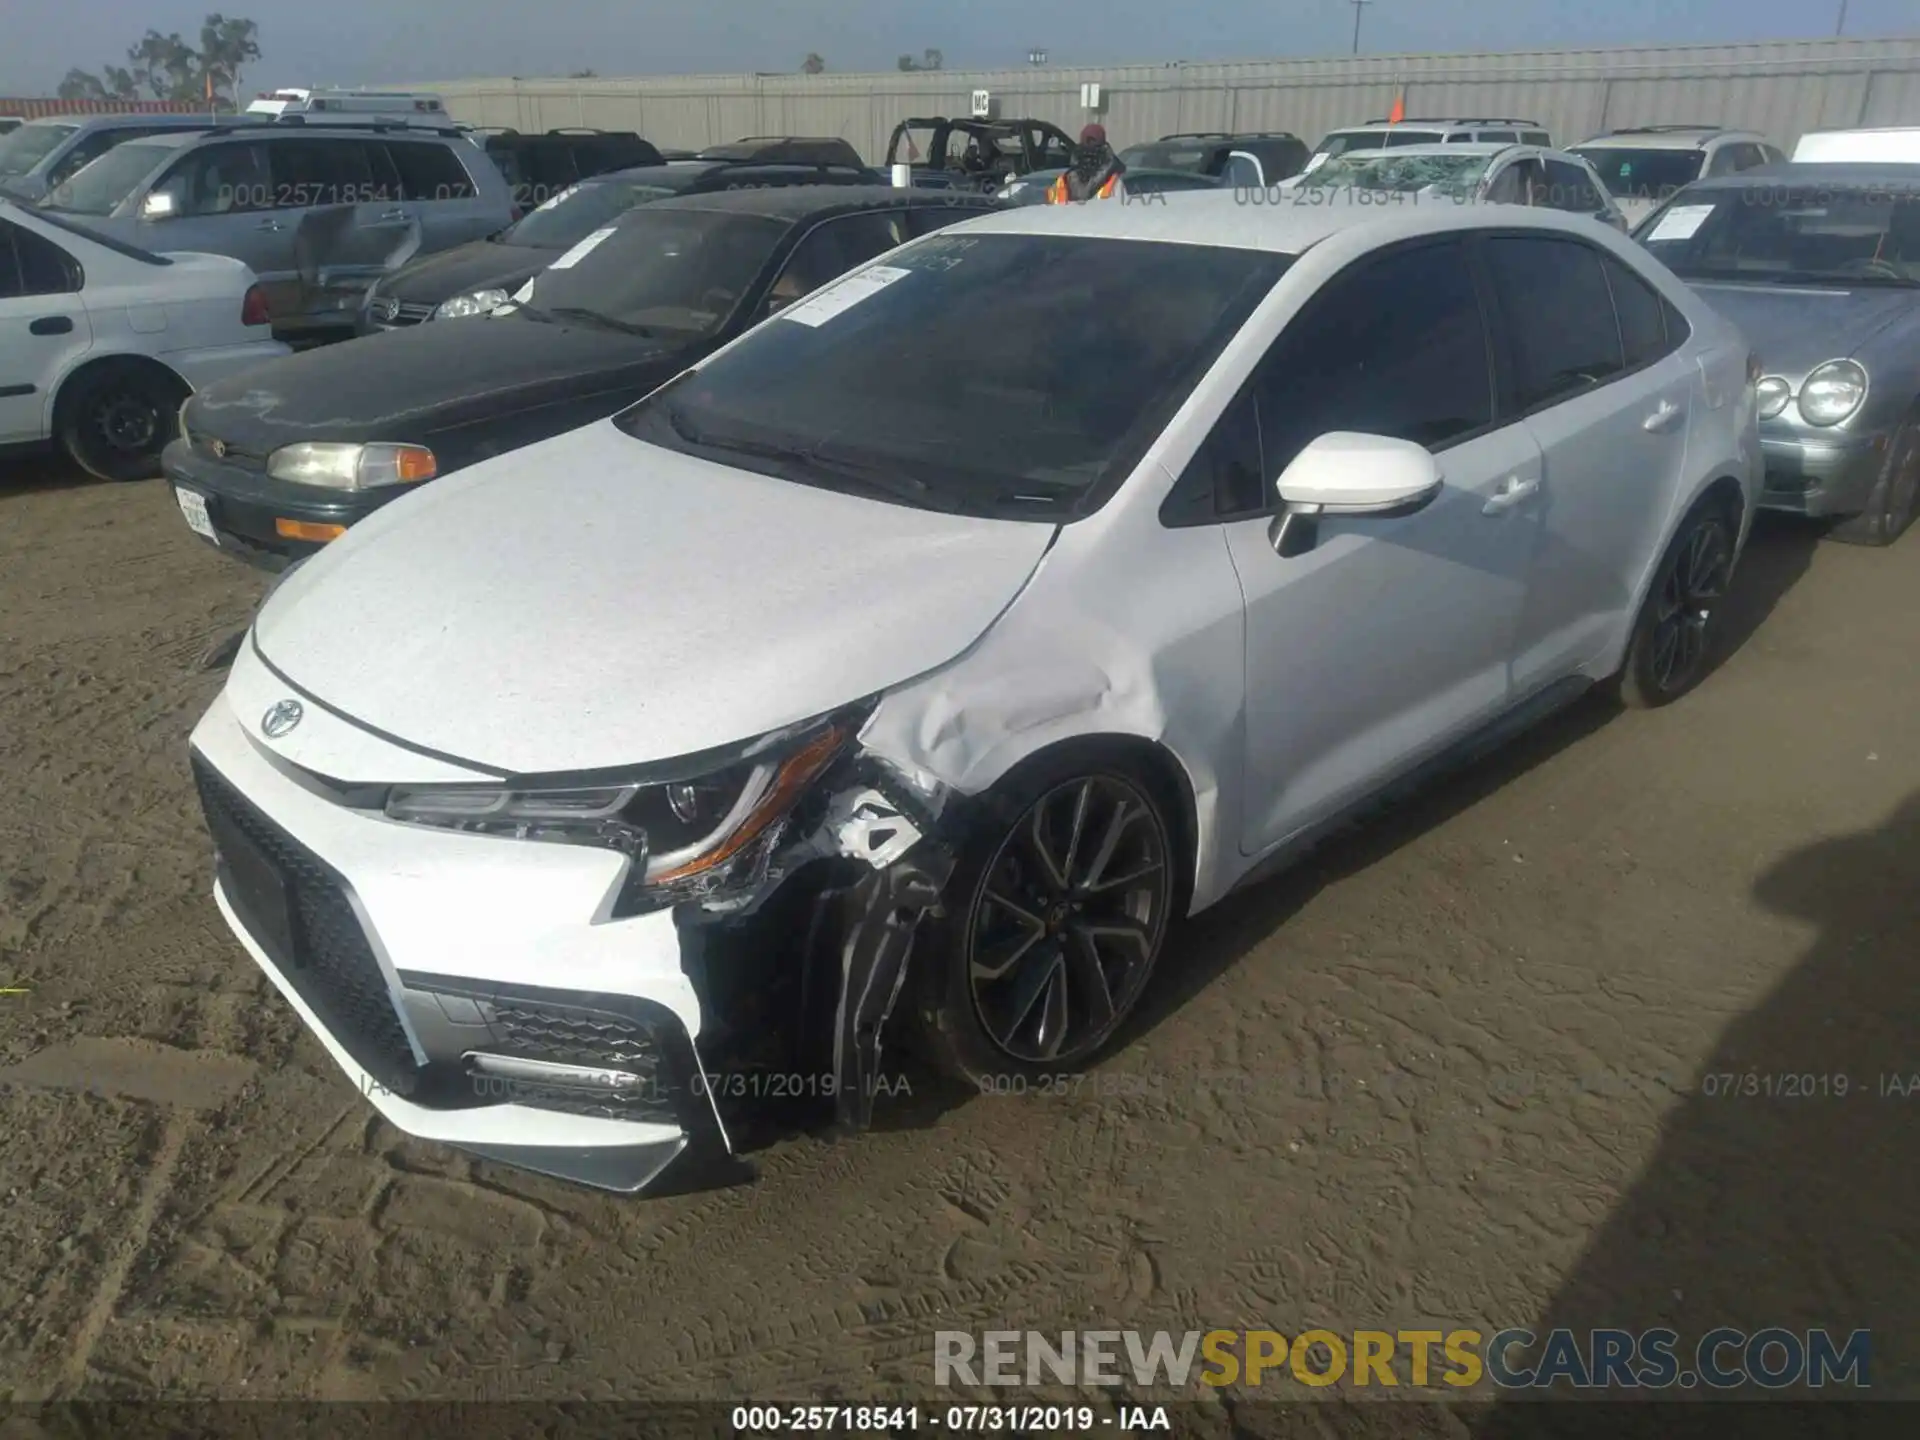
point(1819, 266)
point(318, 213)
point(39, 155)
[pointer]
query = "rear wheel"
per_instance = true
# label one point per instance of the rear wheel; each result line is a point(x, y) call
point(115, 420)
point(1056, 915)
point(1667, 655)
point(1896, 494)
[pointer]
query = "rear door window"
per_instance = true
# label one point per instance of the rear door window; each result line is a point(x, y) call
point(1499, 137)
point(1643, 316)
point(322, 172)
point(1397, 137)
point(429, 171)
point(1558, 315)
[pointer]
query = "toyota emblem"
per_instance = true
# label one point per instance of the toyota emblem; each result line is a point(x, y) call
point(219, 448)
point(281, 717)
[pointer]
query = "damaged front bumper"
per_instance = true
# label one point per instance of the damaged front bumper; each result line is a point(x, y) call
point(480, 994)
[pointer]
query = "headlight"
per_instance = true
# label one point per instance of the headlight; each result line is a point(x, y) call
point(351, 467)
point(1773, 394)
point(686, 838)
point(480, 302)
point(1832, 392)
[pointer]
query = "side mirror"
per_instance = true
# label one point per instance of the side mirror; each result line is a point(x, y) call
point(158, 206)
point(1347, 473)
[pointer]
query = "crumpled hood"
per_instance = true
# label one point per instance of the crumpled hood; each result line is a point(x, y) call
point(593, 601)
point(412, 383)
point(477, 265)
point(1797, 328)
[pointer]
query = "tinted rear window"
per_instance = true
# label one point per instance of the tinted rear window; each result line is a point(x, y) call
point(430, 172)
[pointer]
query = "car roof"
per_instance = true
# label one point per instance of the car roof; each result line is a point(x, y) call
point(1466, 147)
point(1221, 218)
point(801, 202)
point(1877, 174)
point(126, 119)
point(175, 139)
point(1666, 137)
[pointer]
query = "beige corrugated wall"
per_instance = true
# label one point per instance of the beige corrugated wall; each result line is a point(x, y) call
point(1780, 88)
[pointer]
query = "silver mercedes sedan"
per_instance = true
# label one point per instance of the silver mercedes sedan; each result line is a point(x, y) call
point(1819, 266)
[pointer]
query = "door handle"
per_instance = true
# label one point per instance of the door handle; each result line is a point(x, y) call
point(1662, 418)
point(1510, 494)
point(52, 325)
point(269, 224)
point(394, 214)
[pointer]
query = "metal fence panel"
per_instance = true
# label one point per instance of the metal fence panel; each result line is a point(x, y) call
point(1779, 88)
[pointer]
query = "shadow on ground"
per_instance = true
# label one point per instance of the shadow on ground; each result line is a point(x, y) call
point(1782, 1191)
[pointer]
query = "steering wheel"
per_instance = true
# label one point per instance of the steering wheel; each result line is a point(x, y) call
point(718, 300)
point(1874, 265)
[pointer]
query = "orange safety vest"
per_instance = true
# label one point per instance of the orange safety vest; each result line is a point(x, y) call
point(1057, 192)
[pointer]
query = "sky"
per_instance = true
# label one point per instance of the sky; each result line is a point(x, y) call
point(357, 42)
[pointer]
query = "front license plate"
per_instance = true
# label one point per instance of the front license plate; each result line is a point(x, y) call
point(193, 505)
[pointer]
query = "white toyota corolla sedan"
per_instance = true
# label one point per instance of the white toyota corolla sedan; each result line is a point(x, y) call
point(928, 652)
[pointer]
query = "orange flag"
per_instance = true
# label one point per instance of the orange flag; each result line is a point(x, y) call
point(1399, 110)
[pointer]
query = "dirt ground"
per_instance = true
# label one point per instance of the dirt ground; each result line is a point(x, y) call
point(1449, 1074)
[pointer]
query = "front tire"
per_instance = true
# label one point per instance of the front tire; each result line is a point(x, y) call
point(1672, 636)
point(1057, 911)
point(1896, 494)
point(116, 419)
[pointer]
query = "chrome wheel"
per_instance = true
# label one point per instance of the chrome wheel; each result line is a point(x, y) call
point(1692, 586)
point(1068, 920)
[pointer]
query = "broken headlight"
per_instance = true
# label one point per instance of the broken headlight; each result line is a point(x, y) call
point(685, 837)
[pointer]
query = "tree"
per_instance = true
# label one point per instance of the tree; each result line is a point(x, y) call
point(813, 64)
point(929, 60)
point(168, 68)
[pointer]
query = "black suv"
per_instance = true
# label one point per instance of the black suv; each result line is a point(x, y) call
point(476, 277)
point(539, 167)
point(1276, 154)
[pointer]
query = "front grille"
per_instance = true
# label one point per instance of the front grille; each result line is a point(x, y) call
point(389, 312)
point(328, 959)
point(570, 1035)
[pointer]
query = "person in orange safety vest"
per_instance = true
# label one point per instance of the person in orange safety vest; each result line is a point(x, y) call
point(1094, 173)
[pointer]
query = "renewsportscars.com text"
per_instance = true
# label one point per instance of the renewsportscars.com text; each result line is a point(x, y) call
point(1517, 1359)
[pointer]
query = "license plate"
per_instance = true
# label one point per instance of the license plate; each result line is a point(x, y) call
point(193, 505)
point(256, 888)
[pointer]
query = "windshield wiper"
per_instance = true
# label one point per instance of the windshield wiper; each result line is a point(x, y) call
point(879, 479)
point(594, 317)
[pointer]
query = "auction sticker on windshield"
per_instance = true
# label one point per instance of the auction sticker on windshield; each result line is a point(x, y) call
point(580, 252)
point(1680, 222)
point(822, 306)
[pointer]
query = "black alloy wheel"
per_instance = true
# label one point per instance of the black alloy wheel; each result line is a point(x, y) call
point(1669, 651)
point(1068, 919)
point(1896, 494)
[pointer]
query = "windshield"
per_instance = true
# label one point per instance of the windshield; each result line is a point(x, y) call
point(1643, 174)
point(576, 213)
point(1167, 157)
point(26, 147)
point(97, 188)
point(678, 272)
point(1017, 376)
point(1774, 234)
point(1443, 174)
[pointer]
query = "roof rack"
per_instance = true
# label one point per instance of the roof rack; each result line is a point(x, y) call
point(350, 121)
point(576, 130)
point(1197, 135)
point(1660, 129)
point(1456, 120)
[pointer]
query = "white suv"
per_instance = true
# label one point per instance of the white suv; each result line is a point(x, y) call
point(1392, 134)
point(1644, 165)
point(948, 639)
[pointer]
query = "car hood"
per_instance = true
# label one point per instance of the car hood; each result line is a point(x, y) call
point(1796, 328)
point(410, 384)
point(594, 601)
point(477, 265)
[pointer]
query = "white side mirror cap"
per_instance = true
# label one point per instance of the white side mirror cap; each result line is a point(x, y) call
point(1347, 473)
point(158, 206)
